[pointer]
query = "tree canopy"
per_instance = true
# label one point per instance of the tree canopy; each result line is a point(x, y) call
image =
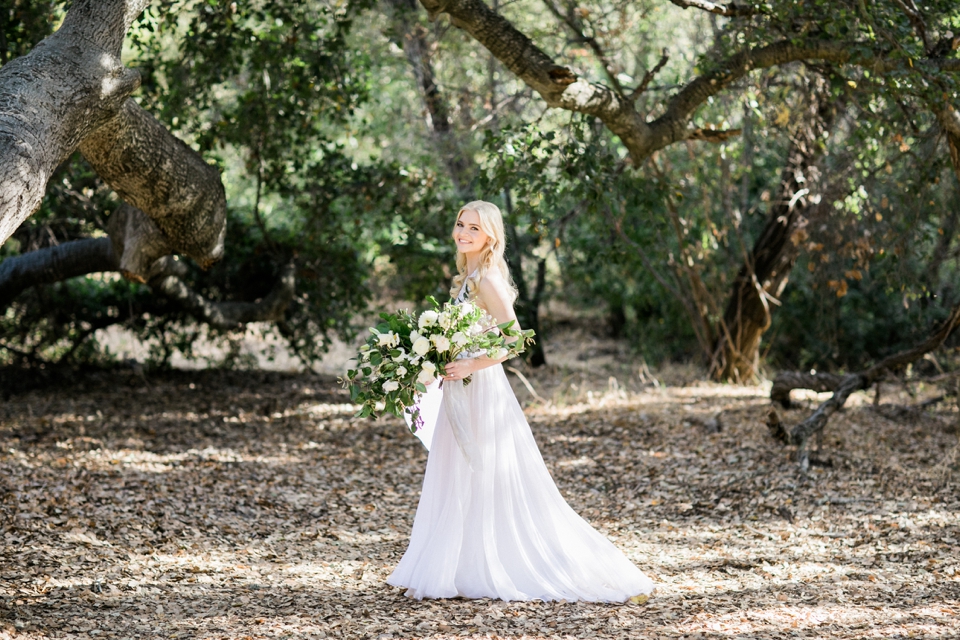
point(711, 181)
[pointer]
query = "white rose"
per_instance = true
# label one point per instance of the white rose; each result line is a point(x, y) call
point(466, 308)
point(401, 371)
point(501, 353)
point(414, 335)
point(442, 343)
point(445, 321)
point(391, 385)
point(429, 366)
point(428, 318)
point(460, 338)
point(420, 346)
point(386, 339)
point(426, 377)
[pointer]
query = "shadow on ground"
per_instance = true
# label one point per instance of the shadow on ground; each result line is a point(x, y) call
point(231, 505)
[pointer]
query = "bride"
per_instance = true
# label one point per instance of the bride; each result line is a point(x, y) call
point(500, 529)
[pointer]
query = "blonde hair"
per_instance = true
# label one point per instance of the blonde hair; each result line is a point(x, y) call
point(491, 256)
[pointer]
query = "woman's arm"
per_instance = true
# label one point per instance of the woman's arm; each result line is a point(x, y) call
point(494, 296)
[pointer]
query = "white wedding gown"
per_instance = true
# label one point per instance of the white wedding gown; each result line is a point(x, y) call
point(503, 530)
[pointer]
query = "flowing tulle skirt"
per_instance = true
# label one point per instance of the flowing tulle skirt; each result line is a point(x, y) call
point(504, 531)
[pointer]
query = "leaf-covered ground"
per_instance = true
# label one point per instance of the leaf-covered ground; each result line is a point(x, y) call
point(252, 505)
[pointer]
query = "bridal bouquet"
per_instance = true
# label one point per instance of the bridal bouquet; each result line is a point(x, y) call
point(405, 353)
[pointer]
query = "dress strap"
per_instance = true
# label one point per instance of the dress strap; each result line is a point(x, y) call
point(463, 288)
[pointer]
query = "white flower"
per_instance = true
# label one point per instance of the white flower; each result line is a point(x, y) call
point(428, 318)
point(426, 377)
point(500, 353)
point(421, 346)
point(441, 342)
point(445, 320)
point(414, 361)
point(401, 371)
point(466, 308)
point(388, 339)
point(475, 329)
point(460, 338)
point(391, 385)
point(429, 366)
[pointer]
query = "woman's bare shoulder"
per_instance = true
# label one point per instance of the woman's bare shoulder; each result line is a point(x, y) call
point(494, 283)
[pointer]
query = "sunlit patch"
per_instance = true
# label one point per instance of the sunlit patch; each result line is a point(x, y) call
point(582, 461)
point(329, 410)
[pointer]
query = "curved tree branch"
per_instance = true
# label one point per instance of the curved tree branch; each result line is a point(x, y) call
point(53, 264)
point(167, 180)
point(561, 88)
point(802, 432)
point(51, 98)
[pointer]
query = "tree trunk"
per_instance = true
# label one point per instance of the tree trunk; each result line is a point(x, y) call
point(527, 304)
point(165, 179)
point(67, 86)
point(416, 47)
point(766, 271)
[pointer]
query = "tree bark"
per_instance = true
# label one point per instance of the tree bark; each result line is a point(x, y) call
point(767, 268)
point(53, 264)
point(168, 181)
point(50, 99)
point(787, 381)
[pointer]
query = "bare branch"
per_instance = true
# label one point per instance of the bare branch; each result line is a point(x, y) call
point(728, 10)
point(801, 433)
point(787, 381)
point(53, 264)
point(570, 19)
point(714, 135)
point(649, 75)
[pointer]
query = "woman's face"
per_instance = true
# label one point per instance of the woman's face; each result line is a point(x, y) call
point(468, 235)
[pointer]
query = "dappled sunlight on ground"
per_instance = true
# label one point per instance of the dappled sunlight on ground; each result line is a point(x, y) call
point(229, 505)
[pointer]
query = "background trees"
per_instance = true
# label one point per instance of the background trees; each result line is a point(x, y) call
point(723, 181)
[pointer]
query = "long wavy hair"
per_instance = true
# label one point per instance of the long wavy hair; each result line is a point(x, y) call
point(491, 256)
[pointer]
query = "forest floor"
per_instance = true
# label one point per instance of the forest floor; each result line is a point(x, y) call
point(213, 504)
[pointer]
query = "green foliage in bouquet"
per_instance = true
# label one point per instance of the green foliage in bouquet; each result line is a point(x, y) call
point(404, 354)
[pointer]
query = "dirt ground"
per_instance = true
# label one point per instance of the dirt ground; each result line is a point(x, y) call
point(211, 504)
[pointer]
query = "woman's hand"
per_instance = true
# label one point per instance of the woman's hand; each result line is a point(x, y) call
point(460, 369)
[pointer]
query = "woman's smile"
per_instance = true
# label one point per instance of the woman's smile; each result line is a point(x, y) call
point(469, 236)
